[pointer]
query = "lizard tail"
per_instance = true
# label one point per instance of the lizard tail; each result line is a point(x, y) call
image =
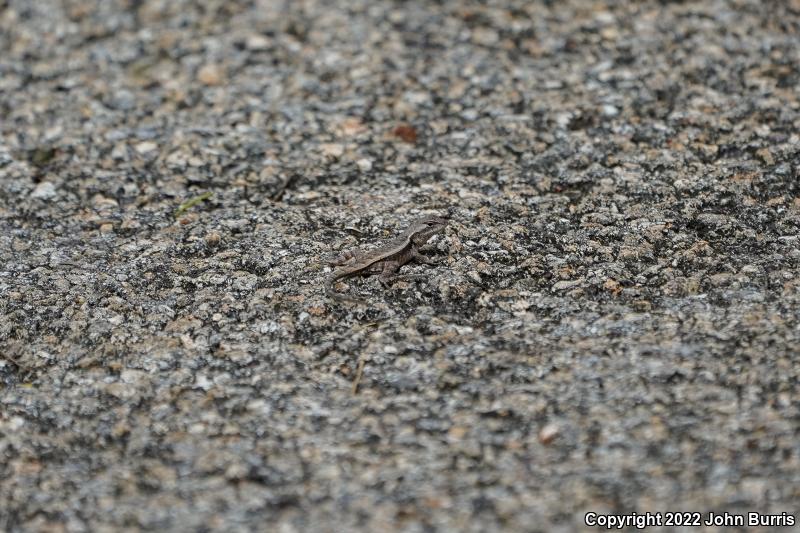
point(329, 290)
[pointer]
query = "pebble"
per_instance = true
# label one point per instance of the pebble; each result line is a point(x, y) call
point(610, 111)
point(332, 150)
point(548, 433)
point(44, 191)
point(210, 74)
point(257, 42)
point(146, 147)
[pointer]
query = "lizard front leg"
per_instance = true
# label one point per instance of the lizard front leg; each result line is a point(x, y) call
point(346, 257)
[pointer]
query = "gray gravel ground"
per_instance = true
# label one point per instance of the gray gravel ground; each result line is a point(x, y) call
point(613, 326)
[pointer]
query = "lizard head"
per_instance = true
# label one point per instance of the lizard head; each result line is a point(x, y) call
point(426, 227)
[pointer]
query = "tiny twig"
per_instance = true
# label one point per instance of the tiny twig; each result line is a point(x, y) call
point(188, 204)
point(277, 196)
point(359, 373)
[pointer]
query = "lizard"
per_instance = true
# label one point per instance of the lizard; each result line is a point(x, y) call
point(386, 259)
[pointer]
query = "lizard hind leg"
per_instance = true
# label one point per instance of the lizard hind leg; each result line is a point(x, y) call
point(344, 258)
point(388, 273)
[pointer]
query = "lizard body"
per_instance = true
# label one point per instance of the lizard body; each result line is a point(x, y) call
point(386, 259)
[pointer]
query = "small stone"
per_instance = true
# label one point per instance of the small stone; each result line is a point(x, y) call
point(123, 100)
point(708, 151)
point(15, 423)
point(720, 279)
point(333, 150)
point(120, 151)
point(103, 202)
point(765, 156)
point(213, 238)
point(146, 147)
point(316, 310)
point(364, 165)
point(564, 285)
point(210, 74)
point(457, 432)
point(107, 228)
point(405, 133)
point(610, 111)
point(176, 159)
point(129, 224)
point(612, 286)
point(610, 33)
point(485, 36)
point(44, 191)
point(474, 276)
point(351, 126)
point(778, 200)
point(470, 115)
point(548, 433)
point(257, 42)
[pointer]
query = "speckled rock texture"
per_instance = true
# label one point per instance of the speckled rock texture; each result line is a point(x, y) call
point(613, 324)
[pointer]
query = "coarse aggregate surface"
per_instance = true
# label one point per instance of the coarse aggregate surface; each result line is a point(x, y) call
point(612, 326)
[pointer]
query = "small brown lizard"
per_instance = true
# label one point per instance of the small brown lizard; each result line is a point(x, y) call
point(387, 259)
